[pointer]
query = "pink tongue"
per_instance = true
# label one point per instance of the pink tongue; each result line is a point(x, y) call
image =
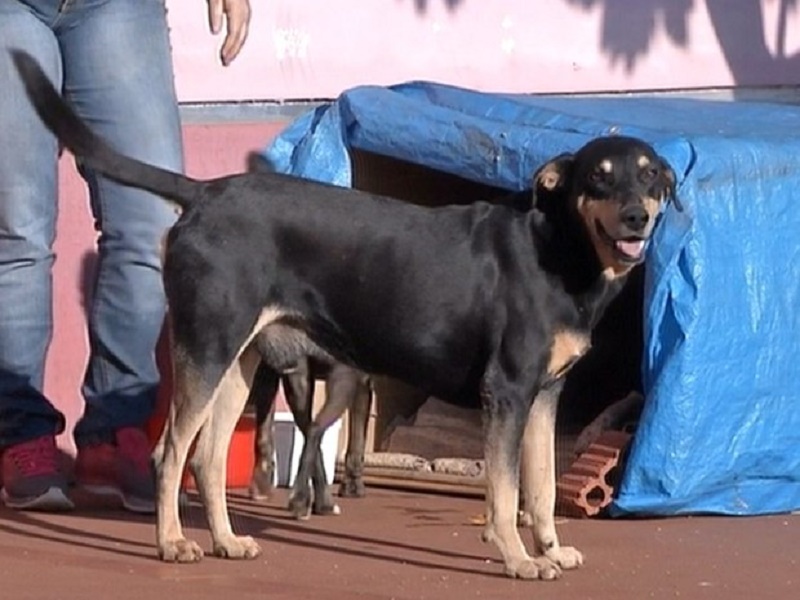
point(632, 249)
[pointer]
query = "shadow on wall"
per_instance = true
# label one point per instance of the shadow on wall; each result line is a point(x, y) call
point(628, 27)
point(741, 35)
point(422, 5)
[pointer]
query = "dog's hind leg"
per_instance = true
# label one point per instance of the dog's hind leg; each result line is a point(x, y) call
point(539, 480)
point(352, 484)
point(190, 408)
point(262, 394)
point(210, 456)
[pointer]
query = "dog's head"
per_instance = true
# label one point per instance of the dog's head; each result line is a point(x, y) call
point(615, 186)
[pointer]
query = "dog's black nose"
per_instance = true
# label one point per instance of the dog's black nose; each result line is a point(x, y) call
point(635, 217)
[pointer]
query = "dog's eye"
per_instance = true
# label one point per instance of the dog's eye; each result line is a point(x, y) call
point(599, 176)
point(649, 174)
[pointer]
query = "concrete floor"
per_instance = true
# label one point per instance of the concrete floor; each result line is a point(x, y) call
point(394, 545)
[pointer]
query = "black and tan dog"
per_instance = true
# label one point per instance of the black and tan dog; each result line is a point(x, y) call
point(479, 301)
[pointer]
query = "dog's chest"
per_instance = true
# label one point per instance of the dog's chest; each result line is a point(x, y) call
point(572, 338)
point(567, 347)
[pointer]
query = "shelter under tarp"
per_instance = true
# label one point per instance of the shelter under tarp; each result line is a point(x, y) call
point(720, 431)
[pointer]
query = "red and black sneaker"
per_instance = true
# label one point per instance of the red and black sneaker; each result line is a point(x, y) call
point(31, 477)
point(123, 469)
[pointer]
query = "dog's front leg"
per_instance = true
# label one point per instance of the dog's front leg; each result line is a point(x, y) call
point(539, 480)
point(505, 414)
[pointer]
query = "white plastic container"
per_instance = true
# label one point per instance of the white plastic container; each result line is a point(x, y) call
point(289, 446)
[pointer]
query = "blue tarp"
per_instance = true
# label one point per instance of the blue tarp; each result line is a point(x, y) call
point(720, 432)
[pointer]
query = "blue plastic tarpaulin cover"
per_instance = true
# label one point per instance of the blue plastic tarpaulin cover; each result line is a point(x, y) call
point(720, 431)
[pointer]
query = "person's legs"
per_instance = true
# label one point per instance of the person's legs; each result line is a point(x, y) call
point(118, 76)
point(28, 194)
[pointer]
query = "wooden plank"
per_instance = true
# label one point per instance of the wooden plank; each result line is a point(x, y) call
point(426, 481)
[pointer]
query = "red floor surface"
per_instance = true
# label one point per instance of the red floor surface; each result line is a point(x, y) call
point(394, 545)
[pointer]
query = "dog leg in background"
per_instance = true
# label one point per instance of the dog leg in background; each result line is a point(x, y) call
point(262, 395)
point(209, 461)
point(343, 390)
point(298, 386)
point(299, 395)
point(505, 411)
point(352, 485)
point(538, 475)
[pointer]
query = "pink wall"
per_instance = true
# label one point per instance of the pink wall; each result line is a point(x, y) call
point(301, 49)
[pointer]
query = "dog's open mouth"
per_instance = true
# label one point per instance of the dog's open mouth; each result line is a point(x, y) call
point(628, 249)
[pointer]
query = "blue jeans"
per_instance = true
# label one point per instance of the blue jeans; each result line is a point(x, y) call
point(113, 62)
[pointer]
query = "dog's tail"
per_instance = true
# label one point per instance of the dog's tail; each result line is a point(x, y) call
point(90, 148)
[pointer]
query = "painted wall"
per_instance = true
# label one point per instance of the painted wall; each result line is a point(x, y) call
point(311, 49)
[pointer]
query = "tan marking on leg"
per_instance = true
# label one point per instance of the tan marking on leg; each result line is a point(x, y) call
point(211, 453)
point(182, 426)
point(502, 501)
point(568, 346)
point(538, 473)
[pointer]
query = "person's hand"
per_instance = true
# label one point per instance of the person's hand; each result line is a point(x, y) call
point(237, 18)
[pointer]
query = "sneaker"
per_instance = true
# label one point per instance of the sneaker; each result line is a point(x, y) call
point(31, 478)
point(123, 469)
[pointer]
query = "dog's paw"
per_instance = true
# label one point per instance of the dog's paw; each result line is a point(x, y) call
point(260, 491)
point(540, 567)
point(299, 507)
point(352, 488)
point(237, 547)
point(327, 508)
point(565, 557)
point(324, 503)
point(181, 551)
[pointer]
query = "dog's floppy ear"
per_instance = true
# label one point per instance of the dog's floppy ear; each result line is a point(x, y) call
point(670, 183)
point(552, 177)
